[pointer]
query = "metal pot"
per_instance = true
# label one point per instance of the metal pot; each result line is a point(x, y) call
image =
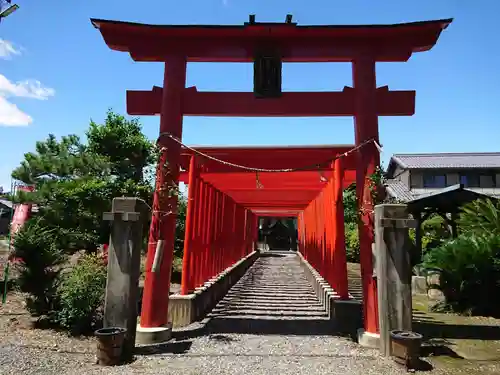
point(110, 345)
point(405, 347)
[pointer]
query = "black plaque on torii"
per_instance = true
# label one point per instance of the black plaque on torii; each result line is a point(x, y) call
point(267, 66)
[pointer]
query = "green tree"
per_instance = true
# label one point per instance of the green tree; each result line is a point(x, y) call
point(55, 161)
point(76, 182)
point(123, 145)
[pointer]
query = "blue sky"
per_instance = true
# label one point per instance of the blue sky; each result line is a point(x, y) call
point(56, 74)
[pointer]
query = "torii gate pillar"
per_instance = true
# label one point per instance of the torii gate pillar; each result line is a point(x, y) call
point(366, 127)
point(162, 232)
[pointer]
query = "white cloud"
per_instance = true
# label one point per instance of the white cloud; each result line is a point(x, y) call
point(10, 114)
point(25, 89)
point(7, 49)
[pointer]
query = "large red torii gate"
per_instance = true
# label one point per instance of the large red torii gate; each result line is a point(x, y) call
point(176, 45)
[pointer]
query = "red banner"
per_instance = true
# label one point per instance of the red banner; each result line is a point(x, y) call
point(22, 213)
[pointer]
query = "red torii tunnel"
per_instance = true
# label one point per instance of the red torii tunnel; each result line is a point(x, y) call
point(311, 177)
point(176, 45)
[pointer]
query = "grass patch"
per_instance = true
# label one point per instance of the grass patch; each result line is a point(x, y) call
point(470, 337)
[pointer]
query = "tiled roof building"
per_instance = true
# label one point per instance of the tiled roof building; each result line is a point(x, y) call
point(413, 176)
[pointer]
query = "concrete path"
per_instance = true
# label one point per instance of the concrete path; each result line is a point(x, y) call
point(271, 322)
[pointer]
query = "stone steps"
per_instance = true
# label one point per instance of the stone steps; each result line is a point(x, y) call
point(274, 296)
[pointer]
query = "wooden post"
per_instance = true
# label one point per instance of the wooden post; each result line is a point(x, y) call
point(197, 265)
point(187, 282)
point(124, 258)
point(393, 271)
point(340, 263)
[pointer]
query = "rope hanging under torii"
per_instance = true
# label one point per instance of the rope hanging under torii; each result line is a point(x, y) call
point(283, 170)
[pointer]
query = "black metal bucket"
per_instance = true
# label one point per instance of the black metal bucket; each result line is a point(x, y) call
point(110, 345)
point(405, 347)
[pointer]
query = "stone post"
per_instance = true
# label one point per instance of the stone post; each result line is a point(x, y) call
point(393, 271)
point(124, 258)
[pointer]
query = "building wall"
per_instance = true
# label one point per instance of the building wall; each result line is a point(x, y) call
point(415, 178)
point(402, 175)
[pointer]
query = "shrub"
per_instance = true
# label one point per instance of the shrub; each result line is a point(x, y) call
point(81, 295)
point(352, 242)
point(39, 257)
point(350, 204)
point(176, 274)
point(434, 233)
point(481, 216)
point(470, 273)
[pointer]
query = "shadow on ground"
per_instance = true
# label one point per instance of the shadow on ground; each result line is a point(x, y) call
point(432, 328)
point(439, 335)
point(173, 347)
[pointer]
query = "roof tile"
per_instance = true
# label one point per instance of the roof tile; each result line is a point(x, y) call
point(399, 190)
point(449, 160)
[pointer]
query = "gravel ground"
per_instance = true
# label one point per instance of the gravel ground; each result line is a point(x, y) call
point(252, 331)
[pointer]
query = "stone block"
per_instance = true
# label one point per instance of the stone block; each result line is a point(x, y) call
point(186, 309)
point(435, 295)
point(368, 340)
point(182, 309)
point(418, 285)
point(433, 283)
point(434, 278)
point(155, 335)
point(347, 315)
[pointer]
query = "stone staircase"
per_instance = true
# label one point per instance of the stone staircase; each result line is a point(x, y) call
point(273, 297)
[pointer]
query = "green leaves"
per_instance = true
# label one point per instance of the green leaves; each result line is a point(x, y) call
point(81, 294)
point(352, 242)
point(40, 258)
point(58, 161)
point(122, 143)
point(470, 272)
point(470, 264)
point(481, 216)
point(350, 204)
point(76, 182)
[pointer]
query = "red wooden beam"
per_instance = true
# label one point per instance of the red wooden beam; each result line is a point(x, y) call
point(275, 213)
point(270, 157)
point(291, 104)
point(237, 43)
point(256, 207)
point(277, 206)
point(272, 199)
point(290, 180)
point(280, 190)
